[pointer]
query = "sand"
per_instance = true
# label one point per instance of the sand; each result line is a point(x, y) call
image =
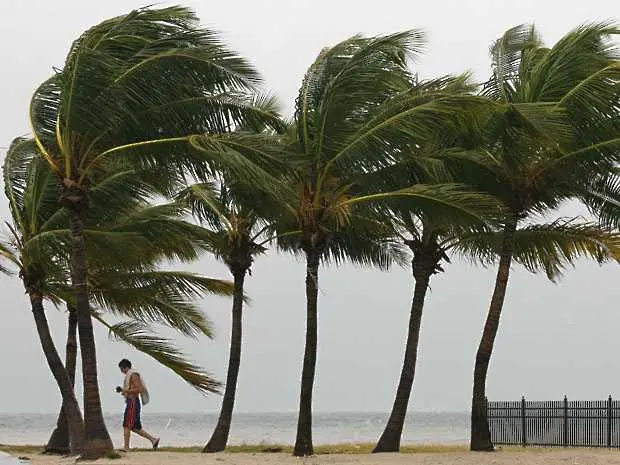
point(528, 456)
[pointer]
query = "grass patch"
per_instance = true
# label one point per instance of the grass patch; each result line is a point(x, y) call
point(345, 448)
point(112, 454)
point(20, 450)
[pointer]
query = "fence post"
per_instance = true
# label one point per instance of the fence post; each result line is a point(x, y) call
point(609, 403)
point(565, 421)
point(523, 436)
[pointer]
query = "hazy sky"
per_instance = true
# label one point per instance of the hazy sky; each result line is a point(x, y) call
point(554, 339)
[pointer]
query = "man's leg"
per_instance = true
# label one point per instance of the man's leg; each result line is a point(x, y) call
point(130, 420)
point(144, 434)
point(137, 427)
point(126, 434)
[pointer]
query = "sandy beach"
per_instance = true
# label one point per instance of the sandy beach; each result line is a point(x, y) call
point(516, 457)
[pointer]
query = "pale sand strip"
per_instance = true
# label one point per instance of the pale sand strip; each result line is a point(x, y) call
point(521, 457)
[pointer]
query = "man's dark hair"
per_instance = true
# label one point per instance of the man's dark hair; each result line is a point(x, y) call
point(124, 363)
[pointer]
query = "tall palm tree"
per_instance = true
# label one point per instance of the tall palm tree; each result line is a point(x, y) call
point(428, 239)
point(26, 212)
point(355, 115)
point(555, 132)
point(140, 88)
point(538, 247)
point(237, 239)
point(127, 284)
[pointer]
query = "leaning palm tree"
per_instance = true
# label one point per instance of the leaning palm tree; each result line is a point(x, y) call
point(142, 88)
point(554, 135)
point(127, 284)
point(429, 237)
point(547, 248)
point(237, 239)
point(60, 440)
point(26, 212)
point(355, 115)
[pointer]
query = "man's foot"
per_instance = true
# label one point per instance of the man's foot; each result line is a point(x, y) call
point(156, 444)
point(124, 449)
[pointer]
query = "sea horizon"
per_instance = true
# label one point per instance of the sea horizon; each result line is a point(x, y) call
point(193, 429)
point(251, 412)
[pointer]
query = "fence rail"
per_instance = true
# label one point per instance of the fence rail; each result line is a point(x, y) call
point(562, 423)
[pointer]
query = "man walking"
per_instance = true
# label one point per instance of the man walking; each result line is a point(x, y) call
point(134, 389)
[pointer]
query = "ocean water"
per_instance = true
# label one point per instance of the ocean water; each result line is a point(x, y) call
point(269, 428)
point(6, 459)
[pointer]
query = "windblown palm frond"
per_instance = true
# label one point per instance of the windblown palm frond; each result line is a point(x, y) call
point(8, 258)
point(602, 197)
point(139, 87)
point(367, 242)
point(566, 98)
point(511, 56)
point(140, 336)
point(546, 247)
point(158, 297)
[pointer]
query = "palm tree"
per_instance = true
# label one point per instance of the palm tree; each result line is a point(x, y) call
point(142, 88)
point(554, 134)
point(355, 115)
point(18, 170)
point(429, 237)
point(538, 247)
point(237, 231)
point(60, 440)
point(127, 284)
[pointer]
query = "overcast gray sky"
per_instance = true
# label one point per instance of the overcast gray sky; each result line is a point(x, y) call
point(554, 339)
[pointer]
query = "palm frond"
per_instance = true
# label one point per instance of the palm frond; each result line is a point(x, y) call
point(159, 233)
point(507, 54)
point(547, 247)
point(7, 254)
point(163, 297)
point(367, 242)
point(44, 110)
point(406, 120)
point(125, 59)
point(348, 81)
point(602, 197)
point(577, 56)
point(142, 85)
point(205, 204)
point(139, 336)
point(441, 203)
point(15, 172)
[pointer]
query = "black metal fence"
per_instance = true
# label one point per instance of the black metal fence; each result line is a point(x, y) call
point(562, 423)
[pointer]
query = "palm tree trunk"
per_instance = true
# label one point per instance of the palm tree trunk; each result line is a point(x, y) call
point(303, 442)
point(390, 439)
point(71, 406)
point(219, 438)
point(59, 442)
point(97, 440)
point(480, 432)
